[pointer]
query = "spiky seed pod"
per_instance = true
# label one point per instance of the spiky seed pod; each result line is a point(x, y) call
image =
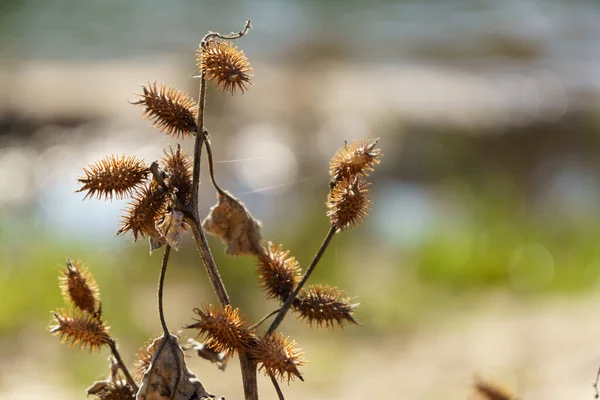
point(277, 272)
point(111, 390)
point(278, 356)
point(325, 306)
point(223, 330)
point(348, 203)
point(113, 176)
point(486, 390)
point(79, 287)
point(81, 329)
point(146, 208)
point(144, 358)
point(221, 61)
point(179, 168)
point(358, 158)
point(171, 111)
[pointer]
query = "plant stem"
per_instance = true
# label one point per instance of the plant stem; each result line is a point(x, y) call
point(247, 364)
point(161, 287)
point(263, 319)
point(288, 303)
point(167, 335)
point(276, 385)
point(209, 263)
point(198, 144)
point(115, 352)
point(211, 165)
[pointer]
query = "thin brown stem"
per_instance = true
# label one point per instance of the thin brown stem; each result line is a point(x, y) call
point(276, 385)
point(161, 287)
point(231, 36)
point(167, 335)
point(115, 352)
point(209, 263)
point(198, 144)
point(263, 319)
point(247, 364)
point(211, 165)
point(288, 303)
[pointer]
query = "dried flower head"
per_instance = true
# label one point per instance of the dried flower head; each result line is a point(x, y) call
point(146, 208)
point(113, 176)
point(81, 329)
point(221, 61)
point(278, 356)
point(111, 390)
point(232, 222)
point(358, 158)
point(325, 306)
point(278, 273)
point(144, 358)
point(348, 203)
point(79, 287)
point(486, 390)
point(223, 330)
point(170, 110)
point(179, 168)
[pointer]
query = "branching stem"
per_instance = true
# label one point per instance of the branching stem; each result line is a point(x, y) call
point(288, 303)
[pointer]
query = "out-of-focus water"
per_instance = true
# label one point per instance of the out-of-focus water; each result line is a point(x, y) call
point(499, 33)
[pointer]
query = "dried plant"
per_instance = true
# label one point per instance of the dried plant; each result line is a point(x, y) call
point(163, 206)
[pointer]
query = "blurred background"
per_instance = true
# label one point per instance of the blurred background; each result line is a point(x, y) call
point(480, 255)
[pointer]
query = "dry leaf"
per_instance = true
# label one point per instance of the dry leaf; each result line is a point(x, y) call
point(168, 362)
point(232, 222)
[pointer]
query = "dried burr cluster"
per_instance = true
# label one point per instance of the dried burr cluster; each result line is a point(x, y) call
point(163, 207)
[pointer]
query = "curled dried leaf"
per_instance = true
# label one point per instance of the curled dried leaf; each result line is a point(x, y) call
point(278, 273)
point(221, 61)
point(79, 287)
point(113, 176)
point(81, 329)
point(277, 356)
point(224, 330)
point(232, 222)
point(325, 306)
point(172, 111)
point(347, 203)
point(171, 228)
point(167, 377)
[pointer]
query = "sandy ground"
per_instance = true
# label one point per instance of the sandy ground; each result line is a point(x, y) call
point(546, 350)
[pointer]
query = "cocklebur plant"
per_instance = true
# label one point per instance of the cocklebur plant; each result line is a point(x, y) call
point(163, 207)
